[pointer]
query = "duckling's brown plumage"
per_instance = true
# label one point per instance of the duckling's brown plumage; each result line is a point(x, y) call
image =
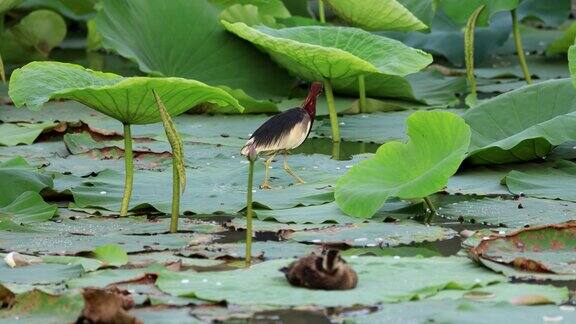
point(327, 271)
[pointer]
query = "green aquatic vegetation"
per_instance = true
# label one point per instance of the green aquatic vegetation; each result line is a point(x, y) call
point(333, 53)
point(375, 15)
point(127, 100)
point(178, 167)
point(472, 98)
point(523, 124)
point(479, 12)
point(437, 145)
point(195, 45)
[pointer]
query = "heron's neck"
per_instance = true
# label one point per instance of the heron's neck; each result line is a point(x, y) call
point(310, 106)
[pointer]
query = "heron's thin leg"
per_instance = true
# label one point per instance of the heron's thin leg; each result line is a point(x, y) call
point(265, 184)
point(290, 171)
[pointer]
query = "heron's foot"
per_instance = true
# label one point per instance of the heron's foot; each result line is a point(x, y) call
point(265, 185)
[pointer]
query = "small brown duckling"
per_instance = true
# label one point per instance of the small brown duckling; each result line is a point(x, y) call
point(327, 271)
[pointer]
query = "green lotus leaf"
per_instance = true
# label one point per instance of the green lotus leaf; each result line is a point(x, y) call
point(22, 133)
point(561, 44)
point(470, 311)
point(6, 5)
point(424, 10)
point(507, 212)
point(376, 14)
point(547, 249)
point(380, 279)
point(317, 52)
point(275, 8)
point(33, 37)
point(552, 183)
point(128, 100)
point(28, 208)
point(111, 254)
point(523, 124)
point(438, 144)
point(461, 10)
point(248, 14)
point(73, 9)
point(22, 178)
point(190, 44)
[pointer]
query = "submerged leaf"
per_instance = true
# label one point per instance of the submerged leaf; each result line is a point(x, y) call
point(438, 144)
point(128, 100)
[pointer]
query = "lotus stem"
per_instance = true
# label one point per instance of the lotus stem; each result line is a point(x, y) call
point(432, 209)
point(175, 197)
point(249, 213)
point(362, 91)
point(2, 73)
point(336, 150)
point(332, 111)
point(519, 47)
point(129, 170)
point(469, 55)
point(178, 166)
point(321, 13)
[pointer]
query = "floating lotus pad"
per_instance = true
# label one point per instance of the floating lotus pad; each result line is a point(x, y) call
point(380, 279)
point(547, 249)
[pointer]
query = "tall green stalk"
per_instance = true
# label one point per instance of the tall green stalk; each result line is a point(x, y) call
point(129, 170)
point(433, 212)
point(332, 111)
point(251, 158)
point(472, 98)
point(321, 13)
point(362, 92)
point(175, 198)
point(2, 74)
point(519, 47)
point(178, 167)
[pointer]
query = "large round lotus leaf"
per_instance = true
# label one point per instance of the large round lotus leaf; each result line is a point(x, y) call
point(466, 311)
point(422, 166)
point(317, 52)
point(543, 249)
point(460, 10)
point(523, 124)
point(508, 212)
point(183, 38)
point(380, 279)
point(129, 100)
point(376, 14)
point(553, 183)
point(373, 234)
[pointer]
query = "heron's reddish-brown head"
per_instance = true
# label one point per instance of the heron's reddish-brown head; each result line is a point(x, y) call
point(310, 103)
